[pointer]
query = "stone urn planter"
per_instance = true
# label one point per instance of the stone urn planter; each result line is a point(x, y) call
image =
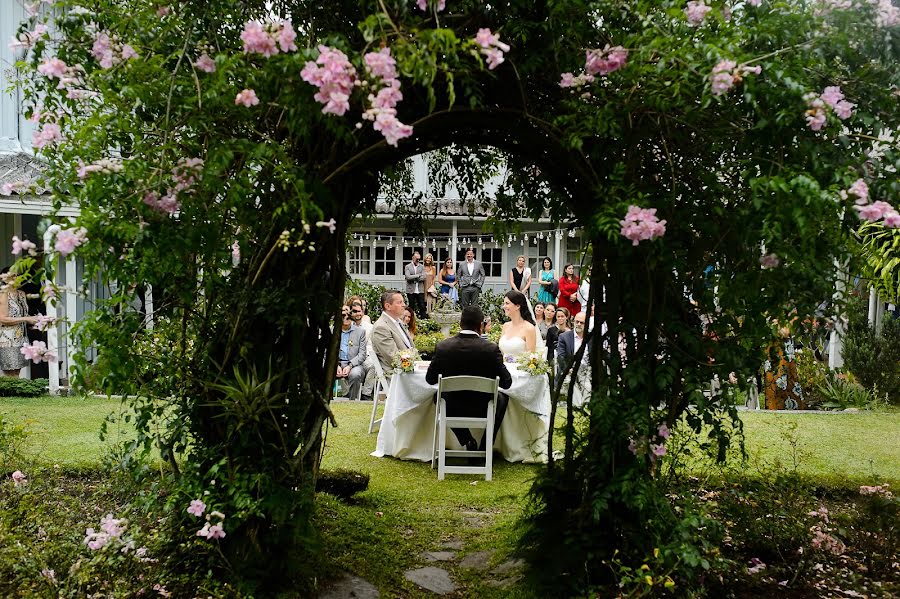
point(446, 315)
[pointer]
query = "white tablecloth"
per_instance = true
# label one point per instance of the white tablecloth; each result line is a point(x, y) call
point(407, 428)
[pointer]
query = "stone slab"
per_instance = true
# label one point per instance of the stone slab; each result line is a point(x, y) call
point(431, 579)
point(349, 586)
point(439, 556)
point(508, 566)
point(453, 544)
point(476, 561)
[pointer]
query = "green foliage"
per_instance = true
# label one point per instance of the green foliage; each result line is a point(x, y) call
point(16, 387)
point(873, 357)
point(426, 325)
point(880, 250)
point(13, 439)
point(840, 393)
point(343, 484)
point(426, 342)
point(491, 303)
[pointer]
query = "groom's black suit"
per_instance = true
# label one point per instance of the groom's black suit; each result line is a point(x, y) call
point(469, 354)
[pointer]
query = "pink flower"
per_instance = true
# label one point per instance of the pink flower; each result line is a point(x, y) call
point(769, 261)
point(235, 255)
point(754, 2)
point(860, 190)
point(632, 446)
point(215, 532)
point(53, 68)
point(20, 245)
point(843, 109)
point(696, 12)
point(663, 431)
point(722, 77)
point(204, 532)
point(331, 225)
point(163, 11)
point(247, 97)
point(161, 590)
point(491, 47)
point(334, 75)
point(112, 526)
point(392, 129)
point(196, 508)
point(891, 219)
point(44, 322)
point(873, 212)
point(167, 204)
point(69, 239)
point(50, 133)
point(7, 188)
point(422, 4)
point(205, 63)
point(49, 292)
point(19, 478)
point(756, 565)
point(286, 37)
point(257, 40)
point(381, 64)
point(37, 352)
point(642, 224)
point(658, 450)
point(832, 95)
point(605, 61)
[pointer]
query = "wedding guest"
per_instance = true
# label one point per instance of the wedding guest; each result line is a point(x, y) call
point(546, 280)
point(550, 313)
point(570, 342)
point(414, 273)
point(568, 290)
point(389, 335)
point(471, 279)
point(13, 320)
point(584, 290)
point(520, 277)
point(447, 280)
point(409, 319)
point(352, 353)
point(356, 315)
point(356, 299)
point(539, 319)
point(430, 276)
point(562, 319)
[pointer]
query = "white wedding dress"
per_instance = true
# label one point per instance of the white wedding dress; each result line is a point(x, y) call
point(512, 346)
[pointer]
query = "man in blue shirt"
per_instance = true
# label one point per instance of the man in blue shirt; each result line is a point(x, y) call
point(352, 353)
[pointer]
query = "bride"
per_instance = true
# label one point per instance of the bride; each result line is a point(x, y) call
point(519, 334)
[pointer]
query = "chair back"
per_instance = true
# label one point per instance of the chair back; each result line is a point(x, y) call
point(379, 374)
point(476, 384)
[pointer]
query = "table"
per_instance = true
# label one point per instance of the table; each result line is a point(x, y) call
point(408, 424)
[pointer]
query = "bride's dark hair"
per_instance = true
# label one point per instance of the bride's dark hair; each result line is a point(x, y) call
point(518, 298)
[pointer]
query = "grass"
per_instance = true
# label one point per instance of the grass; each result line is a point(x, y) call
point(406, 511)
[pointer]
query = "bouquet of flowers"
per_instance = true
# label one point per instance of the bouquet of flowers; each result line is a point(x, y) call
point(405, 360)
point(534, 363)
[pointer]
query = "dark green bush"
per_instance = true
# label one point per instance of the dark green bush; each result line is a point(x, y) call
point(874, 358)
point(14, 387)
point(342, 483)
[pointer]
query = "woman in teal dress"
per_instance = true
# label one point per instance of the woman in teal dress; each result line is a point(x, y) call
point(545, 280)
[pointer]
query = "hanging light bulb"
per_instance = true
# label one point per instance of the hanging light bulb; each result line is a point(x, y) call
point(571, 232)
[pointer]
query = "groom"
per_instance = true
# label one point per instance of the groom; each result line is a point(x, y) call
point(469, 354)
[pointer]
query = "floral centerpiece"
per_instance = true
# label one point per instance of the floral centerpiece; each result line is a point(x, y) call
point(534, 363)
point(405, 360)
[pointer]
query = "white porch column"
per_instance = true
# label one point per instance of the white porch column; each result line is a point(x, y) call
point(556, 249)
point(71, 315)
point(148, 307)
point(454, 243)
point(52, 332)
point(873, 304)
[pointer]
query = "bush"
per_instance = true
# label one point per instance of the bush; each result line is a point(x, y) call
point(342, 483)
point(491, 304)
point(837, 392)
point(15, 387)
point(873, 357)
point(370, 293)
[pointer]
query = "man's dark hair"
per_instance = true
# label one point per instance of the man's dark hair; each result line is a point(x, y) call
point(387, 296)
point(471, 318)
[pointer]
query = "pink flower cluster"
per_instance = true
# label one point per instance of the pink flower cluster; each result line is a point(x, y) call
point(769, 261)
point(641, 224)
point(268, 39)
point(205, 63)
point(875, 211)
point(822, 539)
point(331, 225)
point(756, 566)
point(109, 52)
point(48, 134)
point(886, 14)
point(196, 508)
point(246, 98)
point(27, 39)
point(883, 490)
point(597, 62)
point(69, 239)
point(654, 450)
point(44, 322)
point(209, 531)
point(185, 175)
point(23, 245)
point(54, 68)
point(19, 478)
point(726, 74)
point(104, 165)
point(440, 5)
point(696, 11)
point(491, 47)
point(831, 98)
point(236, 251)
point(382, 110)
point(37, 352)
point(110, 528)
point(335, 77)
point(7, 188)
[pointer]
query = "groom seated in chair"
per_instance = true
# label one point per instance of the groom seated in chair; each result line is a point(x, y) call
point(468, 354)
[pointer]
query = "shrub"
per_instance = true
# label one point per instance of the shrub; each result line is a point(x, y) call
point(840, 393)
point(874, 357)
point(367, 291)
point(12, 441)
point(14, 387)
point(491, 304)
point(342, 483)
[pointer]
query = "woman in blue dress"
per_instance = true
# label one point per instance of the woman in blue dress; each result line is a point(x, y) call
point(545, 280)
point(447, 281)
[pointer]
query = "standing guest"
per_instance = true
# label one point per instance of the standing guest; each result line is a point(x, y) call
point(539, 319)
point(584, 290)
point(430, 275)
point(520, 277)
point(546, 281)
point(409, 319)
point(552, 331)
point(568, 290)
point(389, 335)
point(352, 353)
point(13, 319)
point(570, 342)
point(415, 284)
point(447, 281)
point(356, 315)
point(471, 279)
point(468, 354)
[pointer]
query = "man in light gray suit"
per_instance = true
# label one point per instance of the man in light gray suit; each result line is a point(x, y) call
point(352, 353)
point(471, 278)
point(389, 335)
point(415, 285)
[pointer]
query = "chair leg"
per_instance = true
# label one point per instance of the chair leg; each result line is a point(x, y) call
point(375, 393)
point(434, 436)
point(489, 442)
point(442, 439)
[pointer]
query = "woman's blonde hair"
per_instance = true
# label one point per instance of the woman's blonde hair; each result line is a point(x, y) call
point(522, 258)
point(427, 258)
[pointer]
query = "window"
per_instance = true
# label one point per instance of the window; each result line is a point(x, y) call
point(358, 260)
point(492, 258)
point(408, 252)
point(535, 254)
point(385, 260)
point(575, 248)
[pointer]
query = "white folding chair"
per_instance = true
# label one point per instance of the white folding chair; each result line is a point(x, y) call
point(442, 422)
point(381, 388)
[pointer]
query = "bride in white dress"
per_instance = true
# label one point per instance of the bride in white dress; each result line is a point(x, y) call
point(519, 334)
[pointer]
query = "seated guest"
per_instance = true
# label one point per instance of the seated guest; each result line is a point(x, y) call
point(389, 334)
point(356, 315)
point(569, 343)
point(539, 320)
point(468, 354)
point(409, 319)
point(352, 352)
